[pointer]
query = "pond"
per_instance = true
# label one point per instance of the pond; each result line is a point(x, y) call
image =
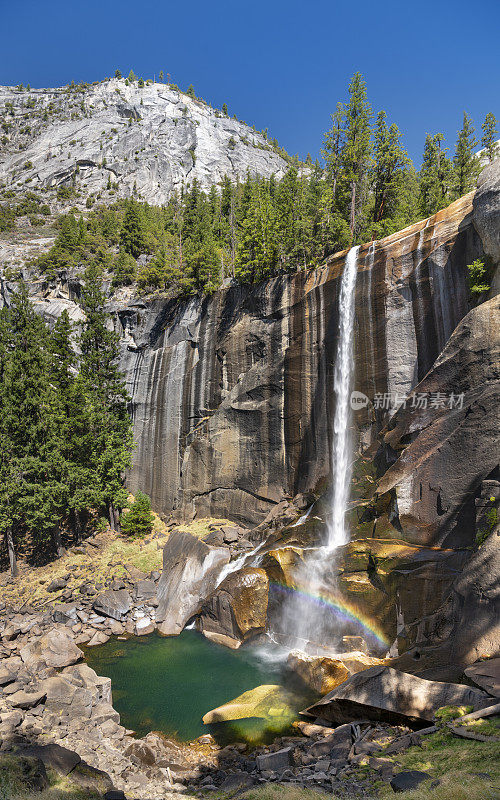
point(168, 684)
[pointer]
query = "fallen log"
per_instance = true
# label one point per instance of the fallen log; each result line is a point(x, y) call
point(490, 711)
point(477, 737)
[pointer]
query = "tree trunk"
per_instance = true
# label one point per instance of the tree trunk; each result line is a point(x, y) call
point(111, 512)
point(12, 553)
point(57, 540)
point(353, 208)
point(116, 512)
point(77, 527)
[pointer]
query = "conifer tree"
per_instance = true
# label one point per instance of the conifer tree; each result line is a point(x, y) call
point(117, 73)
point(161, 76)
point(436, 175)
point(489, 140)
point(356, 148)
point(389, 172)
point(132, 238)
point(465, 163)
point(138, 520)
point(110, 437)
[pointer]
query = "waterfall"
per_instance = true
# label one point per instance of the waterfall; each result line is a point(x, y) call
point(344, 363)
point(306, 622)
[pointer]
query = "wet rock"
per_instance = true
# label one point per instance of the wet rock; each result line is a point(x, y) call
point(238, 608)
point(324, 673)
point(144, 626)
point(114, 604)
point(97, 639)
point(486, 209)
point(191, 564)
point(411, 779)
point(268, 701)
point(383, 693)
point(142, 751)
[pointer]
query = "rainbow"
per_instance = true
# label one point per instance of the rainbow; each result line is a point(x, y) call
point(344, 611)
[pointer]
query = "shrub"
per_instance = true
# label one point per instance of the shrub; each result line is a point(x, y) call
point(477, 275)
point(138, 521)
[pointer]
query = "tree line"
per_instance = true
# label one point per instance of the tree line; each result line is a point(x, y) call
point(65, 431)
point(249, 230)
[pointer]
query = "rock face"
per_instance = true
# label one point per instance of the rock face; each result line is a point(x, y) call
point(190, 571)
point(232, 395)
point(238, 609)
point(487, 210)
point(383, 693)
point(155, 139)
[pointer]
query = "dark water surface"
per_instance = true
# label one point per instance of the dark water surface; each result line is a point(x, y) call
point(168, 684)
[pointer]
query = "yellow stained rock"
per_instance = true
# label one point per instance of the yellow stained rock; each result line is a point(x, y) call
point(324, 673)
point(266, 701)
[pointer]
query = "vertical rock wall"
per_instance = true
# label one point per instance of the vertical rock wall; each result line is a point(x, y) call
point(232, 395)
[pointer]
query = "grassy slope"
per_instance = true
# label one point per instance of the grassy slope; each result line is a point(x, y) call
point(109, 558)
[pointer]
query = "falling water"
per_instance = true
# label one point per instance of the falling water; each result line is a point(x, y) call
point(240, 562)
point(341, 455)
point(305, 623)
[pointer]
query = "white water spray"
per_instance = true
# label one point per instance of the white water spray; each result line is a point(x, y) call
point(341, 451)
point(305, 624)
point(240, 562)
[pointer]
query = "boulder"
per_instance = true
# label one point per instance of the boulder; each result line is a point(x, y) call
point(54, 649)
point(411, 779)
point(386, 694)
point(268, 701)
point(58, 758)
point(277, 761)
point(238, 609)
point(189, 576)
point(57, 584)
point(114, 604)
point(65, 612)
point(25, 700)
point(144, 591)
point(323, 673)
point(6, 677)
point(486, 675)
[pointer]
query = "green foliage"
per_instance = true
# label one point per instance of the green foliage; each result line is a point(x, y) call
point(138, 521)
point(435, 177)
point(490, 137)
point(131, 77)
point(65, 435)
point(117, 73)
point(465, 163)
point(190, 91)
point(477, 272)
point(140, 83)
point(160, 76)
point(491, 521)
point(224, 109)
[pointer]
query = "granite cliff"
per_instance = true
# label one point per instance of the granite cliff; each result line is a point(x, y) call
point(150, 141)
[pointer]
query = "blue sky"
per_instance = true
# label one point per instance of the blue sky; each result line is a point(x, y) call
point(277, 64)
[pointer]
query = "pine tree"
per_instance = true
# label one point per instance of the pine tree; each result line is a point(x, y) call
point(190, 91)
point(131, 77)
point(32, 488)
point(490, 136)
point(102, 385)
point(132, 238)
point(435, 177)
point(224, 109)
point(161, 76)
point(118, 73)
point(356, 148)
point(389, 172)
point(138, 520)
point(332, 147)
point(465, 163)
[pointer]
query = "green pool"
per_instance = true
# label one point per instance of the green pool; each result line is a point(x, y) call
point(168, 684)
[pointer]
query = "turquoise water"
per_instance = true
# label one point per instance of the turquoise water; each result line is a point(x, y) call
point(168, 684)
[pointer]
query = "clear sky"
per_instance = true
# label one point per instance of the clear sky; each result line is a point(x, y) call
point(278, 64)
